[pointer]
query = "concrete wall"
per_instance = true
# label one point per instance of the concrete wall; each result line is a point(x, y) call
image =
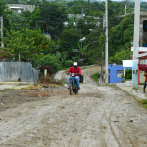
point(18, 71)
point(113, 73)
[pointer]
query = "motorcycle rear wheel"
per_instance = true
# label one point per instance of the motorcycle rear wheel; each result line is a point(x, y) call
point(71, 89)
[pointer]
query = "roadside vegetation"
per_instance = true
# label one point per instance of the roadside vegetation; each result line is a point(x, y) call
point(95, 76)
point(128, 75)
point(143, 102)
point(43, 38)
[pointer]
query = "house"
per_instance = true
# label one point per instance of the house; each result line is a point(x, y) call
point(142, 58)
point(82, 16)
point(115, 72)
point(19, 8)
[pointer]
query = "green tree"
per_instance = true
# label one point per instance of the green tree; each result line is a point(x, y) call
point(5, 12)
point(75, 7)
point(18, 22)
point(119, 56)
point(49, 18)
point(82, 50)
point(69, 39)
point(25, 45)
point(85, 24)
point(121, 36)
point(50, 60)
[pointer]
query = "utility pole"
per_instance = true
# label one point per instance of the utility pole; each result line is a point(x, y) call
point(106, 42)
point(2, 45)
point(125, 7)
point(136, 45)
point(104, 25)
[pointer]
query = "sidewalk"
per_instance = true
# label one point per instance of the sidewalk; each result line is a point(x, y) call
point(127, 86)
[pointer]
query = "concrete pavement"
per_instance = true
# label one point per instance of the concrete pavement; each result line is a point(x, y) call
point(59, 75)
point(127, 86)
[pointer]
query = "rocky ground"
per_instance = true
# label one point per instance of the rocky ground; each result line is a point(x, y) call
point(98, 116)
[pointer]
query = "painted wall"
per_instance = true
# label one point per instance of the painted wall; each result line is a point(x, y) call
point(115, 77)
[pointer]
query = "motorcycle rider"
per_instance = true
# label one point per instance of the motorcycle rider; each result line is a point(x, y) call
point(77, 71)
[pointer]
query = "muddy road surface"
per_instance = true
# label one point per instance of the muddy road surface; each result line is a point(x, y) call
point(98, 116)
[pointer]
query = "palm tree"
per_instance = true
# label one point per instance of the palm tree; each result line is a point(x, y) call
point(81, 50)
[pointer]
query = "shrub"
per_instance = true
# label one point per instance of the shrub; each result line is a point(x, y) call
point(128, 74)
point(50, 80)
point(51, 61)
point(68, 63)
point(49, 69)
point(95, 76)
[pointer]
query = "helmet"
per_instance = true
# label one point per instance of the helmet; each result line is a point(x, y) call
point(75, 64)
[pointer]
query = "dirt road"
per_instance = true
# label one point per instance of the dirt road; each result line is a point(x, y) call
point(96, 117)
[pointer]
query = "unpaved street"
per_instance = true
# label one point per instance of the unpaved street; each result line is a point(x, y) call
point(98, 116)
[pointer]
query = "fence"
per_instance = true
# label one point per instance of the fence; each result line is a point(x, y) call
point(18, 71)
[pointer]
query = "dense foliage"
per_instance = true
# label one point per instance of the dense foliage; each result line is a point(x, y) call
point(50, 60)
point(5, 12)
point(26, 33)
point(128, 74)
point(26, 45)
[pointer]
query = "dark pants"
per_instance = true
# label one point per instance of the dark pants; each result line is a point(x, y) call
point(145, 84)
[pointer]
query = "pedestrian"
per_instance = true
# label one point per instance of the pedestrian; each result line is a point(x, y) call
point(145, 74)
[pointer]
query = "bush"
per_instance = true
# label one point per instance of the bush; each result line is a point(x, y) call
point(49, 80)
point(49, 69)
point(52, 61)
point(95, 76)
point(128, 74)
point(68, 63)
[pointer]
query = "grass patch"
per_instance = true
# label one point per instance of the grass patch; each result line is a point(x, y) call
point(108, 84)
point(7, 90)
point(143, 102)
point(63, 81)
point(95, 76)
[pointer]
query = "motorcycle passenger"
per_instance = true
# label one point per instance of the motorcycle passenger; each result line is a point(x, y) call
point(76, 70)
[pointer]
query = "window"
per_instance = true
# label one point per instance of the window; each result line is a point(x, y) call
point(119, 73)
point(19, 11)
point(145, 25)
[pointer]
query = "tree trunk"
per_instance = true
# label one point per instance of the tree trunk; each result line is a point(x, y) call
point(19, 57)
point(102, 71)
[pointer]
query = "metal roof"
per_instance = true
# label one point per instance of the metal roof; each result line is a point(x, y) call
point(16, 7)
